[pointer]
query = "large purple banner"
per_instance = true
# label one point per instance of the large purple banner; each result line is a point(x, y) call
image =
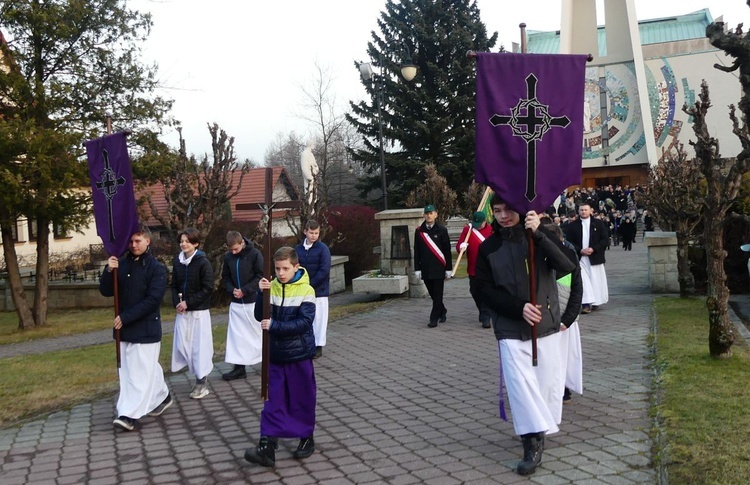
point(529, 140)
point(112, 190)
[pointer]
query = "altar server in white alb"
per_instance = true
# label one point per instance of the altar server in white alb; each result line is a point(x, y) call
point(243, 269)
point(534, 392)
point(315, 257)
point(192, 287)
point(142, 280)
point(589, 236)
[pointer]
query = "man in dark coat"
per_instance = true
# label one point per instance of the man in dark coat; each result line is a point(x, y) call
point(589, 236)
point(433, 261)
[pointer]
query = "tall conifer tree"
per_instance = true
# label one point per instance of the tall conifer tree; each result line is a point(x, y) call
point(429, 120)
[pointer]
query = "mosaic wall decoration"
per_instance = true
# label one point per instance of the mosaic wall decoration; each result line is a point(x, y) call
point(667, 92)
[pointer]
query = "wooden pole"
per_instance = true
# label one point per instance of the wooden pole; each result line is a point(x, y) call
point(268, 273)
point(115, 282)
point(468, 234)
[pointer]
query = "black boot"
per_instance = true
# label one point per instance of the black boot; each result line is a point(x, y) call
point(305, 448)
point(264, 454)
point(237, 373)
point(533, 446)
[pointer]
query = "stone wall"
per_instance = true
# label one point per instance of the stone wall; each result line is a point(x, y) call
point(337, 281)
point(662, 262)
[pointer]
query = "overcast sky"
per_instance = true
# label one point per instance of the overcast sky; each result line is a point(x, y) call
point(240, 63)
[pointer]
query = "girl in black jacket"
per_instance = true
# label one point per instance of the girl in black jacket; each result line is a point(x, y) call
point(192, 286)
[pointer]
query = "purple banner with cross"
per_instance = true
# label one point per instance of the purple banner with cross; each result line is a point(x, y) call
point(529, 138)
point(112, 191)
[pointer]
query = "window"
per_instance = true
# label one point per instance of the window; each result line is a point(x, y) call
point(18, 235)
point(60, 231)
point(33, 233)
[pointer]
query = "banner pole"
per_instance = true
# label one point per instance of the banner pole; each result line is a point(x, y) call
point(115, 283)
point(468, 234)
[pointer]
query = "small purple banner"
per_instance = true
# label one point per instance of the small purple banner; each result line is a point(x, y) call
point(112, 190)
point(529, 139)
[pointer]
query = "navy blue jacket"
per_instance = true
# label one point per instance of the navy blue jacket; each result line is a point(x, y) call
point(141, 286)
point(317, 262)
point(243, 271)
point(195, 281)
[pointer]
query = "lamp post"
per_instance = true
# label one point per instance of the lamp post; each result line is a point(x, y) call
point(408, 71)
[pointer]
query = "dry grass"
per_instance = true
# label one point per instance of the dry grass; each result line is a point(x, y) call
point(705, 400)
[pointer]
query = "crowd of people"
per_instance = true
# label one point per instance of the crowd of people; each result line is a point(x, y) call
point(297, 326)
point(569, 259)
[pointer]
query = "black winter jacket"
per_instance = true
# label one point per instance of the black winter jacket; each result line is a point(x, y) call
point(195, 282)
point(141, 286)
point(502, 275)
point(243, 271)
point(431, 266)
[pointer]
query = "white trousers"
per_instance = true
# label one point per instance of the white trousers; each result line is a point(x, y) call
point(193, 343)
point(244, 335)
point(595, 290)
point(573, 358)
point(142, 385)
point(320, 324)
point(534, 393)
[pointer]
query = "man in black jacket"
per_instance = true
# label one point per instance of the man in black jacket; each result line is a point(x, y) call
point(142, 280)
point(534, 392)
point(589, 236)
point(433, 261)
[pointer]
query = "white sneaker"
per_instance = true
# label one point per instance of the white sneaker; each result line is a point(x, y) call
point(199, 391)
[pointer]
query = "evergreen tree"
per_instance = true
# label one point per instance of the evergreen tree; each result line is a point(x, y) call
point(66, 64)
point(429, 120)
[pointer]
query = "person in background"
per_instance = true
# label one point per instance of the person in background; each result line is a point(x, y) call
point(315, 257)
point(433, 261)
point(589, 236)
point(240, 274)
point(471, 237)
point(142, 281)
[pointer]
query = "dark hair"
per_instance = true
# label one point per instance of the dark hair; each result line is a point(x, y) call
point(496, 200)
point(312, 224)
point(555, 229)
point(233, 237)
point(286, 253)
point(192, 234)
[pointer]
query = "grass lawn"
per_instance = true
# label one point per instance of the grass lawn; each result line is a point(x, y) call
point(63, 322)
point(705, 408)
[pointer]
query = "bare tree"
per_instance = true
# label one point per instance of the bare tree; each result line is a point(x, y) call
point(676, 196)
point(197, 194)
point(284, 152)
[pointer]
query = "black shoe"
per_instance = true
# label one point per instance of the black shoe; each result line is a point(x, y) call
point(533, 446)
point(305, 448)
point(318, 352)
point(432, 324)
point(264, 454)
point(158, 410)
point(443, 317)
point(124, 423)
point(237, 373)
point(586, 309)
point(566, 396)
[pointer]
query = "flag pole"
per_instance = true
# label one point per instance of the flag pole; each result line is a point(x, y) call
point(468, 234)
point(115, 283)
point(267, 269)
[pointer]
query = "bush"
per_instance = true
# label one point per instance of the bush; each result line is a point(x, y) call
point(354, 233)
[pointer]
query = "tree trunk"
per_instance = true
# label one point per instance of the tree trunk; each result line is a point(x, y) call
point(684, 275)
point(25, 317)
point(720, 330)
point(42, 272)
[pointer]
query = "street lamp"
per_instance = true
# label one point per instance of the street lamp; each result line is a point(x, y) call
point(408, 71)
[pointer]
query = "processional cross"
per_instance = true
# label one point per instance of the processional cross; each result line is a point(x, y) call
point(267, 207)
point(530, 119)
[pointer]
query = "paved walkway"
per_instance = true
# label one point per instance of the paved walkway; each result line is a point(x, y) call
point(398, 403)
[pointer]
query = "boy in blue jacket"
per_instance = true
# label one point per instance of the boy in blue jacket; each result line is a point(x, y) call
point(290, 409)
point(315, 257)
